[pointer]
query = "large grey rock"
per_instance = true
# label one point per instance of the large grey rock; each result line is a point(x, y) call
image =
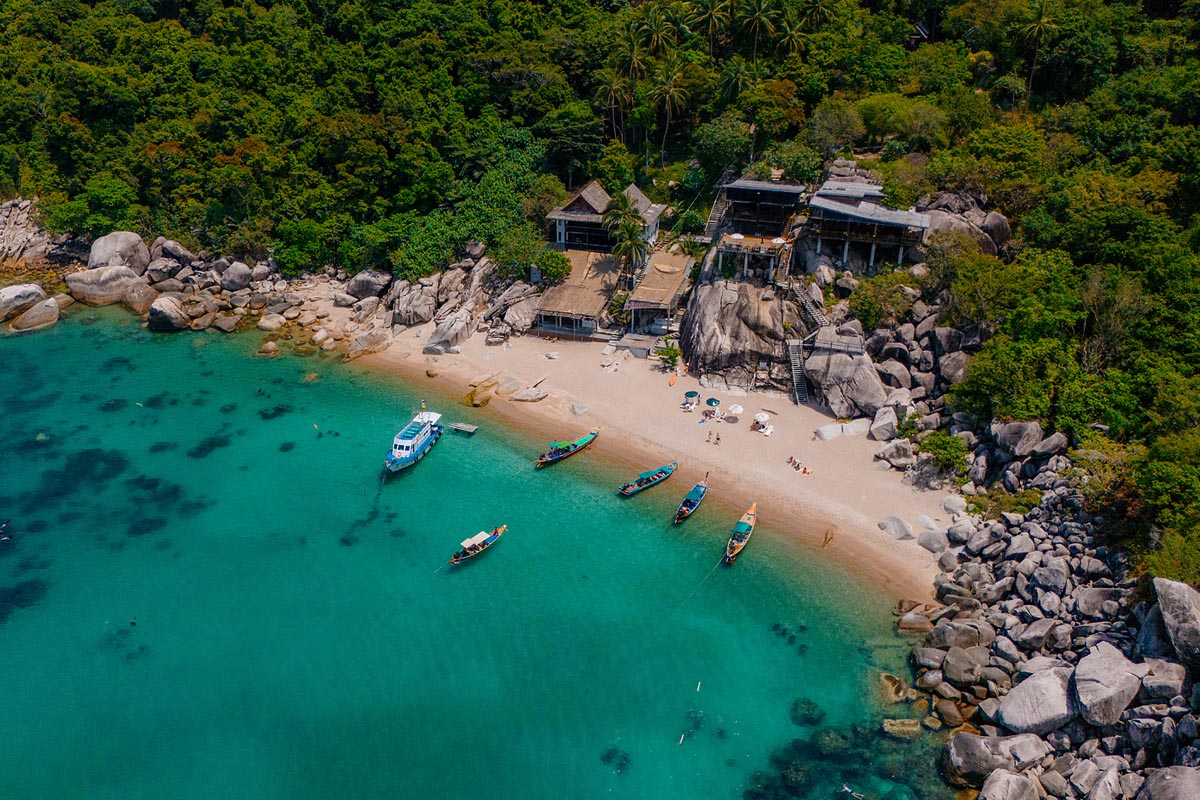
point(1039, 704)
point(102, 286)
point(1018, 438)
point(899, 453)
point(940, 220)
point(729, 326)
point(1164, 679)
point(883, 427)
point(520, 315)
point(139, 298)
point(1180, 607)
point(996, 226)
point(969, 758)
point(368, 283)
point(120, 248)
point(271, 322)
point(236, 277)
point(42, 315)
point(893, 373)
point(17, 299)
point(952, 367)
point(850, 385)
point(451, 331)
point(371, 341)
point(1106, 683)
point(21, 238)
point(364, 309)
point(1172, 783)
point(960, 633)
point(933, 541)
point(1052, 445)
point(416, 303)
point(167, 314)
point(1090, 600)
point(169, 248)
point(896, 527)
point(1006, 785)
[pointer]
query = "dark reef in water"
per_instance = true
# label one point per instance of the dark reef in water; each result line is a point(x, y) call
point(210, 443)
point(348, 540)
point(229, 408)
point(287, 447)
point(619, 760)
point(162, 447)
point(23, 595)
point(115, 404)
point(143, 526)
point(860, 757)
point(274, 411)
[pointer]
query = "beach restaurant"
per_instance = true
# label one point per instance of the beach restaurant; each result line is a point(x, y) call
point(575, 307)
point(655, 300)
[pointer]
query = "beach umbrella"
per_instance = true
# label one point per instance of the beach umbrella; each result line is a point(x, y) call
point(712, 401)
point(762, 416)
point(735, 409)
point(692, 395)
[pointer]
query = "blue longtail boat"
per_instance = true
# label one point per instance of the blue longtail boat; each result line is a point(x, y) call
point(692, 500)
point(648, 479)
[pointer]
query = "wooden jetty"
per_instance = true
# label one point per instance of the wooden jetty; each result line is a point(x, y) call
point(463, 427)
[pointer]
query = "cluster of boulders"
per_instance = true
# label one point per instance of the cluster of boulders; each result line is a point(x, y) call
point(1054, 685)
point(964, 212)
point(176, 290)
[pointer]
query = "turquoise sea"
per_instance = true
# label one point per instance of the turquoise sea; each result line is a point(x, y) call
point(210, 593)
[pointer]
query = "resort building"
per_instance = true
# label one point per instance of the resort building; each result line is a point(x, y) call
point(654, 301)
point(846, 212)
point(578, 223)
point(574, 308)
point(752, 221)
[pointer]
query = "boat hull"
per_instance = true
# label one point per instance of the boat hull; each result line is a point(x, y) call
point(399, 464)
point(546, 459)
point(690, 502)
point(465, 555)
point(633, 487)
point(740, 536)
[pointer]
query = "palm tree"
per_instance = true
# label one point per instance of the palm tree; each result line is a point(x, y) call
point(792, 36)
point(631, 57)
point(758, 18)
point(631, 247)
point(814, 14)
point(657, 30)
point(612, 93)
point(712, 18)
point(620, 210)
point(1042, 27)
point(738, 76)
point(669, 92)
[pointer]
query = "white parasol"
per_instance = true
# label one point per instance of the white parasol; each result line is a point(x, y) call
point(735, 409)
point(762, 416)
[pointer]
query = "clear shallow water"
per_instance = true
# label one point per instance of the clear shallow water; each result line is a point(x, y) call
point(298, 635)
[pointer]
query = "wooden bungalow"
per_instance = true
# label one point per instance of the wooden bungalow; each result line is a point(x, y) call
point(843, 212)
point(578, 223)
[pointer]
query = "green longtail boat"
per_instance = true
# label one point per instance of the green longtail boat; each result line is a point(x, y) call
point(560, 450)
point(648, 478)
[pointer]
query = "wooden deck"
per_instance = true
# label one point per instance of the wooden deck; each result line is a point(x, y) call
point(464, 427)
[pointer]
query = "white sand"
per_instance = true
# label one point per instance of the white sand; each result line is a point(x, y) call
point(641, 422)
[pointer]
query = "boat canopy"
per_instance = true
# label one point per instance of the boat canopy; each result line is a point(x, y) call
point(477, 539)
point(696, 493)
point(743, 527)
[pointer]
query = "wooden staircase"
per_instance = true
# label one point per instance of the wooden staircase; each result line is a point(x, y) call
point(795, 355)
point(715, 217)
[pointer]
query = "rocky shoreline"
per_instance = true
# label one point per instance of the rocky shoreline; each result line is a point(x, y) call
point(1055, 679)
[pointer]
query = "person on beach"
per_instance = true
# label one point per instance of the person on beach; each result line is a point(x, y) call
point(717, 440)
point(709, 439)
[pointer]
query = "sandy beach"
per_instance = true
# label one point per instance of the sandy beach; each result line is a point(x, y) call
point(642, 424)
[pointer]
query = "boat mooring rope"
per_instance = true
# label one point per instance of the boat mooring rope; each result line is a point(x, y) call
point(719, 561)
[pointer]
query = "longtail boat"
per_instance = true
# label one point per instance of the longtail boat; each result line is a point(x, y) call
point(560, 450)
point(648, 479)
point(692, 500)
point(741, 534)
point(477, 544)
